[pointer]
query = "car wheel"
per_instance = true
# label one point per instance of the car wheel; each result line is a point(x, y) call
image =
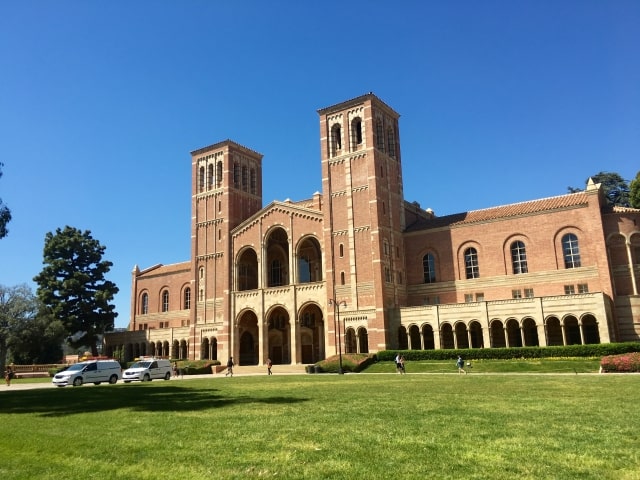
point(77, 381)
point(96, 383)
point(167, 376)
point(113, 379)
point(146, 378)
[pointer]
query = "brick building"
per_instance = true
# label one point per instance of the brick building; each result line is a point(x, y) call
point(359, 268)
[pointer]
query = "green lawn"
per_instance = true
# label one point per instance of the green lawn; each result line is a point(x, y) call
point(490, 426)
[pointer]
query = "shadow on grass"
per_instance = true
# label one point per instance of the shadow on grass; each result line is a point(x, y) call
point(70, 401)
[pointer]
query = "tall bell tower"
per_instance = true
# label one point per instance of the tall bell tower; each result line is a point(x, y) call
point(364, 214)
point(226, 190)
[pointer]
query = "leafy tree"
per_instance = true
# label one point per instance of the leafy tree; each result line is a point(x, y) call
point(5, 214)
point(39, 340)
point(634, 192)
point(72, 286)
point(615, 188)
point(18, 306)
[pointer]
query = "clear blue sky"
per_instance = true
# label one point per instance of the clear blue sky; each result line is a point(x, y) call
point(101, 103)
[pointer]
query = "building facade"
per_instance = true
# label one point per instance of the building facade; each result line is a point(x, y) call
point(360, 269)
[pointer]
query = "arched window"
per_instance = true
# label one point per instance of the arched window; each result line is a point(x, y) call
point(245, 179)
point(336, 141)
point(144, 308)
point(187, 298)
point(391, 142)
point(379, 135)
point(201, 179)
point(341, 250)
point(471, 266)
point(429, 268)
point(275, 274)
point(236, 175)
point(341, 278)
point(219, 173)
point(571, 251)
point(210, 179)
point(356, 133)
point(165, 301)
point(519, 257)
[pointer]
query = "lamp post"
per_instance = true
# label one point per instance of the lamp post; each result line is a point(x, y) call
point(336, 319)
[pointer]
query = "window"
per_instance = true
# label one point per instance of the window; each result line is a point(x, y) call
point(201, 179)
point(468, 297)
point(145, 304)
point(385, 248)
point(336, 141)
point(571, 251)
point(236, 175)
point(341, 278)
point(519, 257)
point(379, 135)
point(391, 142)
point(471, 263)
point(187, 298)
point(275, 273)
point(219, 173)
point(429, 268)
point(516, 293)
point(356, 133)
point(341, 250)
point(479, 297)
point(528, 292)
point(583, 288)
point(569, 290)
point(387, 275)
point(245, 179)
point(399, 278)
point(210, 180)
point(165, 301)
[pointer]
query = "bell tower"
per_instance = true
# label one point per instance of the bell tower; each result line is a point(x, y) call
point(226, 186)
point(364, 214)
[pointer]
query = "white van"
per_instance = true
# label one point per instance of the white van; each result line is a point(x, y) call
point(147, 369)
point(91, 371)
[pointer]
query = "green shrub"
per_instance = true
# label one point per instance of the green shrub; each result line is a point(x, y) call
point(351, 362)
point(196, 367)
point(569, 351)
point(627, 362)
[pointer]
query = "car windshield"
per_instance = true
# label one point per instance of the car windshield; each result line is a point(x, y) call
point(140, 365)
point(76, 366)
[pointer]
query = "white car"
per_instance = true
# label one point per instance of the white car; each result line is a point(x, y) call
point(147, 369)
point(91, 371)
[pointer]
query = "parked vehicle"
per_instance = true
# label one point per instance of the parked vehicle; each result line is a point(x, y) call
point(147, 369)
point(91, 371)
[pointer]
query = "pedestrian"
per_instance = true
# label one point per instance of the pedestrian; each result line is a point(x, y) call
point(8, 375)
point(460, 365)
point(269, 365)
point(230, 365)
point(402, 370)
point(398, 365)
point(175, 369)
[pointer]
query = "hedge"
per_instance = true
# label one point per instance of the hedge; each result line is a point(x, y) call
point(591, 350)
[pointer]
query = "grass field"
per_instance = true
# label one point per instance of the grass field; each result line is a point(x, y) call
point(360, 426)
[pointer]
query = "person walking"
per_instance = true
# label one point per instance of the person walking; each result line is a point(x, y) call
point(398, 364)
point(460, 365)
point(402, 370)
point(230, 365)
point(269, 365)
point(8, 375)
point(175, 369)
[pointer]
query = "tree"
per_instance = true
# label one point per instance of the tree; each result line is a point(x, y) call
point(5, 214)
point(634, 192)
point(614, 187)
point(72, 286)
point(18, 306)
point(38, 340)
